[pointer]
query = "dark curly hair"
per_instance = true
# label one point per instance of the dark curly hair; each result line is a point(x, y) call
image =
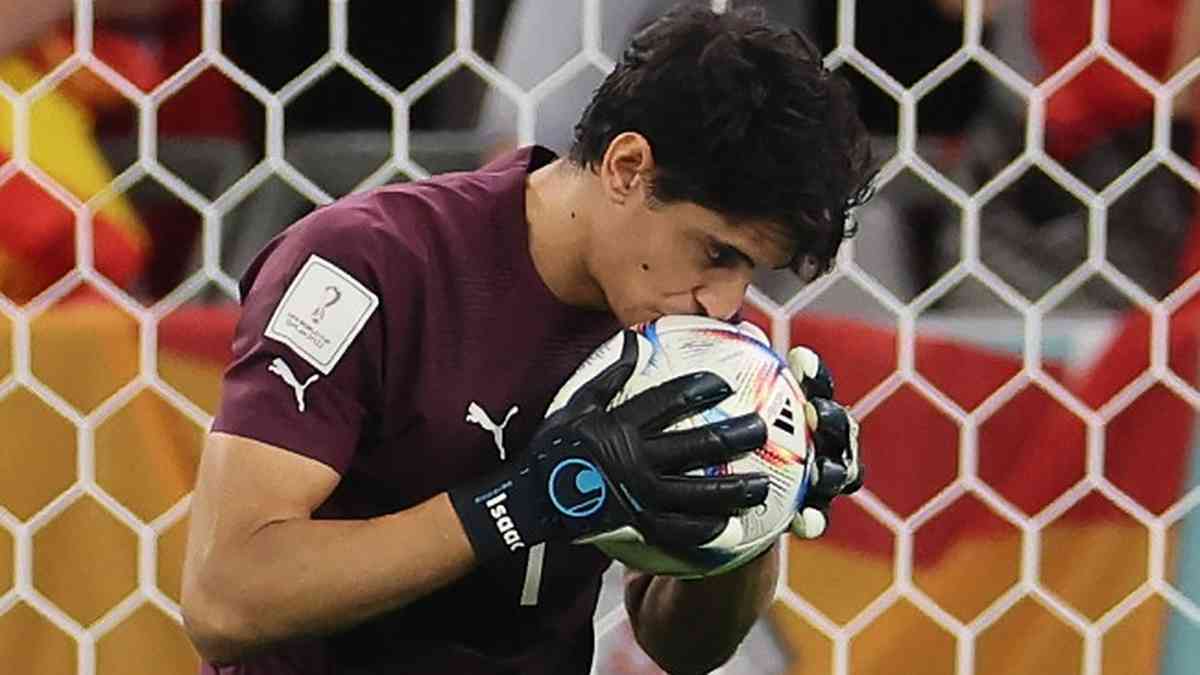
point(743, 119)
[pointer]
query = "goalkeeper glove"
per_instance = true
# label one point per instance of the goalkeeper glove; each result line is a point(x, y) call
point(837, 470)
point(589, 470)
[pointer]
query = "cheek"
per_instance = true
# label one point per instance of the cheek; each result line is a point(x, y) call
point(660, 259)
point(669, 275)
point(654, 261)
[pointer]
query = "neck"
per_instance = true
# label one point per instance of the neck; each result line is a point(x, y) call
point(557, 210)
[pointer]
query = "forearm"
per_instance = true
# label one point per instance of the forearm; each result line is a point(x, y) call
point(303, 577)
point(663, 613)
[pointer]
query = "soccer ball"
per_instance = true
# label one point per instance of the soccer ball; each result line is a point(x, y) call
point(740, 354)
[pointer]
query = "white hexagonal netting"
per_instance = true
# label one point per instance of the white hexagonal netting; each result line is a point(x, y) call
point(1029, 325)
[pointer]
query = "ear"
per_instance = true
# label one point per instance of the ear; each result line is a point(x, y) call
point(626, 168)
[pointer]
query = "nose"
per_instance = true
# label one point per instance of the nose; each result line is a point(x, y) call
point(721, 298)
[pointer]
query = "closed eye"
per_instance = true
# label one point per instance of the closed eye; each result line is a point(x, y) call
point(726, 256)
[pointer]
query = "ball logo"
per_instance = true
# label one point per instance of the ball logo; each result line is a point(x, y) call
point(576, 488)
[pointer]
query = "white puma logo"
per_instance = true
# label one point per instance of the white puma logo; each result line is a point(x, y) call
point(479, 416)
point(280, 368)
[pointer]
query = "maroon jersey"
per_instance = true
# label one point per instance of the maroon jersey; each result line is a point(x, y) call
point(404, 338)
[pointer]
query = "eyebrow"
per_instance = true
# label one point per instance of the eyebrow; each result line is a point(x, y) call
point(747, 258)
point(754, 264)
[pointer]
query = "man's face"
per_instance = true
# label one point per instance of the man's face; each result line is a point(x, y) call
point(656, 259)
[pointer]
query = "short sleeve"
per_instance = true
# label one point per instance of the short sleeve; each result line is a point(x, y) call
point(308, 350)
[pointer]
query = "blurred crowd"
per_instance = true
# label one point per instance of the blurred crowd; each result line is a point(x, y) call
point(340, 133)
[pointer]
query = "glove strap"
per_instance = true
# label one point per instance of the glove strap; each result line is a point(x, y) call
point(499, 514)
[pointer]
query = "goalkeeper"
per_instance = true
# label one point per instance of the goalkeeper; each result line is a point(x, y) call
point(364, 501)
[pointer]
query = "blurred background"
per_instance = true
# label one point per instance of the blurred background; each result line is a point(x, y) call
point(1016, 324)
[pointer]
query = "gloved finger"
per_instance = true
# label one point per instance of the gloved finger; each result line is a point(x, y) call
point(830, 425)
point(662, 405)
point(829, 482)
point(680, 532)
point(600, 390)
point(834, 434)
point(857, 482)
point(815, 379)
point(809, 523)
point(829, 479)
point(680, 451)
point(710, 495)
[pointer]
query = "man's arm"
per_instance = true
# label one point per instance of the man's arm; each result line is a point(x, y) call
point(259, 569)
point(663, 612)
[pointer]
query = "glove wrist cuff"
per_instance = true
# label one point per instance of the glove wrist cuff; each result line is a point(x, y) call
point(497, 515)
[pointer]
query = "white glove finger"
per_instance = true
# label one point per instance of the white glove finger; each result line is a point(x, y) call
point(814, 378)
point(803, 362)
point(809, 523)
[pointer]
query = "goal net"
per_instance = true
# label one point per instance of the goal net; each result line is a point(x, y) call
point(1015, 324)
